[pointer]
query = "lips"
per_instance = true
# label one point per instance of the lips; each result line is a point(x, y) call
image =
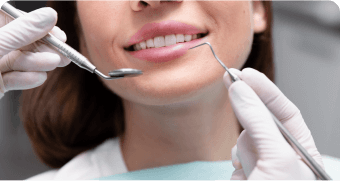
point(152, 30)
point(166, 53)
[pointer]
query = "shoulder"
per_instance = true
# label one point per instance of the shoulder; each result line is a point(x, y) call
point(332, 166)
point(104, 160)
point(48, 175)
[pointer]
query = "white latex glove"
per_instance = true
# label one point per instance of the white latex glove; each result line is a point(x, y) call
point(261, 151)
point(24, 62)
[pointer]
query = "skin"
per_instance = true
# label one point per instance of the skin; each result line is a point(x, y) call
point(177, 111)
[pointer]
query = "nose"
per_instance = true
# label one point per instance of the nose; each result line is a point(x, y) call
point(139, 5)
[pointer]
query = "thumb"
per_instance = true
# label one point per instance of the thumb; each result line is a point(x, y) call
point(256, 119)
point(227, 78)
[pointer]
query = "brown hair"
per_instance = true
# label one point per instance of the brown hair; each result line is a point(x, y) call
point(68, 114)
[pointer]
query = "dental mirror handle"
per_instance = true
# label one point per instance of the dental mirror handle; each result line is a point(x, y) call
point(54, 42)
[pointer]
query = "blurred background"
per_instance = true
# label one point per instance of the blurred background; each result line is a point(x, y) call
point(307, 58)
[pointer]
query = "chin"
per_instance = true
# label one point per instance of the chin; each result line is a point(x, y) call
point(165, 88)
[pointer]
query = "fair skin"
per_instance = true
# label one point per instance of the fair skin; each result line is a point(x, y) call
point(177, 111)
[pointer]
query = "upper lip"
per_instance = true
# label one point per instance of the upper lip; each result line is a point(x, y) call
point(170, 27)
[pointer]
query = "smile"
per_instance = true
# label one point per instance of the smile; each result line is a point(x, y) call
point(164, 48)
point(164, 41)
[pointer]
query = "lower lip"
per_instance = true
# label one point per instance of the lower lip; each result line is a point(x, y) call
point(165, 54)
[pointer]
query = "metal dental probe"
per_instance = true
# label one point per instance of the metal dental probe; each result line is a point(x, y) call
point(300, 150)
point(71, 53)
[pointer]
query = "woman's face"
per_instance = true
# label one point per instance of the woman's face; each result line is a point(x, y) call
point(109, 25)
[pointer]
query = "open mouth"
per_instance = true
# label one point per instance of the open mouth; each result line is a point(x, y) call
point(163, 41)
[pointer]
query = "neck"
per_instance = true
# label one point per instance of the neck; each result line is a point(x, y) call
point(204, 128)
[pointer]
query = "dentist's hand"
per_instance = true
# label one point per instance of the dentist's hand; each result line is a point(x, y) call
point(23, 61)
point(261, 151)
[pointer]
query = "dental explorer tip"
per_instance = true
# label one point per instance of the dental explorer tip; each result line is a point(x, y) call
point(232, 76)
point(200, 45)
point(207, 43)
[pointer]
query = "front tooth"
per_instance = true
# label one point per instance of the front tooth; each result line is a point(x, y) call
point(180, 38)
point(149, 43)
point(142, 45)
point(187, 37)
point(159, 41)
point(170, 40)
point(194, 37)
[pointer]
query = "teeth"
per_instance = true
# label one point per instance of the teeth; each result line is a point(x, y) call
point(187, 37)
point(167, 40)
point(149, 43)
point(180, 38)
point(159, 41)
point(170, 40)
point(143, 45)
point(137, 46)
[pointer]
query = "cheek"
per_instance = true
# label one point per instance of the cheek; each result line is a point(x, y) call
point(101, 29)
point(234, 31)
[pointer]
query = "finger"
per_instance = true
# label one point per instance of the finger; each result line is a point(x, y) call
point(270, 94)
point(23, 80)
point(41, 47)
point(286, 169)
point(235, 161)
point(246, 152)
point(284, 110)
point(47, 48)
point(34, 47)
point(255, 118)
point(238, 175)
point(26, 29)
point(29, 62)
point(56, 31)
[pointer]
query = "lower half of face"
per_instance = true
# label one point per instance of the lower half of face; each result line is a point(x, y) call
point(188, 76)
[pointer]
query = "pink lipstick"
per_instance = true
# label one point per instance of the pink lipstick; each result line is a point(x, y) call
point(166, 53)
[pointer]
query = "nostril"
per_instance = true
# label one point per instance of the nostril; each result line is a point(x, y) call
point(143, 3)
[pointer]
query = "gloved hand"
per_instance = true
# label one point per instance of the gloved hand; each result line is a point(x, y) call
point(23, 61)
point(261, 151)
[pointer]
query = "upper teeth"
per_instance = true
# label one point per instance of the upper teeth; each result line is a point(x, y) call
point(162, 41)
